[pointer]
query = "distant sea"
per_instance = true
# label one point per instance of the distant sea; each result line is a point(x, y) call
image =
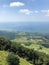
point(25, 26)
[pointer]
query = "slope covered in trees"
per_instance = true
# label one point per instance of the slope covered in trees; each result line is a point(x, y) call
point(32, 56)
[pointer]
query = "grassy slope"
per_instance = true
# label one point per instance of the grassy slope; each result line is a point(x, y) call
point(24, 62)
point(4, 54)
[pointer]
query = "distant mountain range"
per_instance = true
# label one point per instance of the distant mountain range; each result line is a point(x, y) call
point(25, 26)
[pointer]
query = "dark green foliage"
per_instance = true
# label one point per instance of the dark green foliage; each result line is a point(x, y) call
point(45, 45)
point(13, 59)
point(4, 44)
point(38, 58)
point(47, 63)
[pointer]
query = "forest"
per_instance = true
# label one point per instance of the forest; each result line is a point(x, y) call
point(24, 48)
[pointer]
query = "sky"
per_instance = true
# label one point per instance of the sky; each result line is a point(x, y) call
point(24, 10)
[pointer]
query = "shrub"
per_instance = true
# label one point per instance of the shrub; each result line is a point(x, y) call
point(12, 59)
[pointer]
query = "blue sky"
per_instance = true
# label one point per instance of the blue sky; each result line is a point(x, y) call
point(24, 10)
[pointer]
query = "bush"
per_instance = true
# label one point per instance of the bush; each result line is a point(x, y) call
point(12, 59)
point(4, 44)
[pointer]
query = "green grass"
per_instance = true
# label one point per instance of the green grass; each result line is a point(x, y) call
point(24, 62)
point(3, 61)
point(3, 56)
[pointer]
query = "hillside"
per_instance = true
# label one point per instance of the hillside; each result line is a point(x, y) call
point(3, 61)
point(30, 47)
point(3, 55)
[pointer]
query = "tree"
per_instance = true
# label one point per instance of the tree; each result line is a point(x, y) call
point(13, 59)
point(4, 44)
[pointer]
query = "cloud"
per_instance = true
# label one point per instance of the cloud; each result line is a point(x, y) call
point(36, 11)
point(43, 11)
point(16, 4)
point(46, 12)
point(26, 11)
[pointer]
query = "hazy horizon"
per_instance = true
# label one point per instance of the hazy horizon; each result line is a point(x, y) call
point(25, 26)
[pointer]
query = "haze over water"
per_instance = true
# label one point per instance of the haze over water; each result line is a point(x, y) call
point(25, 26)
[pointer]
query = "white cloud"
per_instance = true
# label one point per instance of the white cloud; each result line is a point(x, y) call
point(43, 11)
point(26, 11)
point(36, 11)
point(16, 4)
point(46, 12)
